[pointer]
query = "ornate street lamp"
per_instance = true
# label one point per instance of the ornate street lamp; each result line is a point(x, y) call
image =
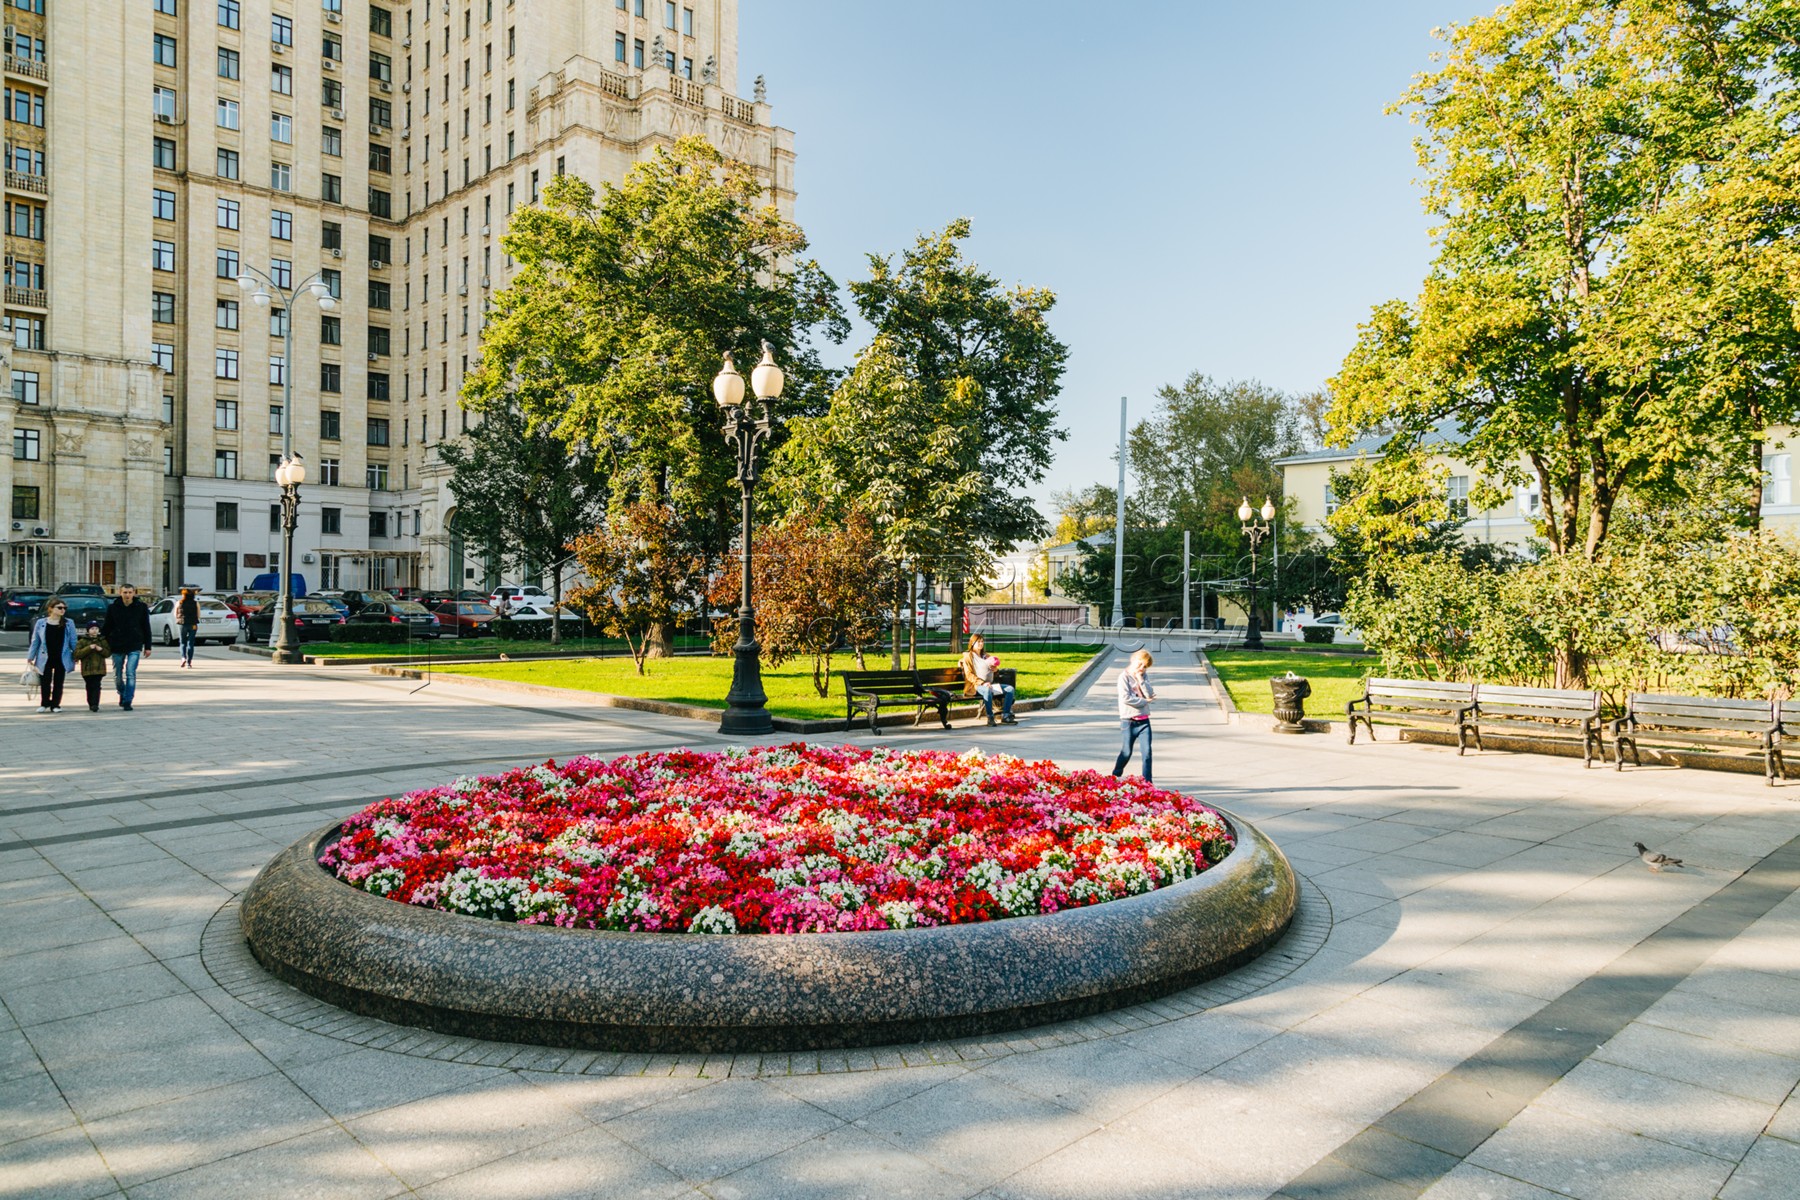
point(746, 705)
point(1256, 531)
point(290, 475)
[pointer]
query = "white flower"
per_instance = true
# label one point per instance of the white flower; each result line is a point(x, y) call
point(712, 919)
point(900, 914)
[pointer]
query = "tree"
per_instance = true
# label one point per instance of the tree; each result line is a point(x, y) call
point(817, 587)
point(641, 574)
point(524, 495)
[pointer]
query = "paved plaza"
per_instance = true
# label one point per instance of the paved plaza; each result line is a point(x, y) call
point(1485, 996)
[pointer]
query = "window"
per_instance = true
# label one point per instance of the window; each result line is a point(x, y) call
point(162, 104)
point(161, 353)
point(381, 21)
point(166, 7)
point(225, 363)
point(381, 204)
point(275, 509)
point(229, 67)
point(24, 503)
point(381, 113)
point(687, 68)
point(377, 520)
point(1531, 500)
point(668, 14)
point(162, 307)
point(162, 153)
point(331, 189)
point(168, 460)
point(281, 31)
point(164, 53)
point(281, 177)
point(162, 207)
point(332, 235)
point(511, 86)
point(637, 53)
point(281, 225)
point(225, 414)
point(333, 48)
point(637, 8)
point(225, 464)
point(226, 116)
point(380, 341)
point(228, 13)
point(375, 478)
point(225, 263)
point(227, 212)
point(275, 414)
point(331, 520)
point(281, 80)
point(331, 331)
point(228, 164)
point(380, 295)
point(282, 272)
point(331, 94)
point(168, 407)
point(333, 280)
point(27, 332)
point(328, 472)
point(1778, 479)
point(381, 68)
point(278, 369)
point(22, 274)
point(1458, 498)
point(25, 385)
point(26, 445)
point(381, 250)
point(331, 141)
point(331, 377)
point(278, 322)
point(381, 159)
point(330, 425)
point(687, 22)
point(162, 255)
point(225, 314)
point(281, 129)
point(378, 431)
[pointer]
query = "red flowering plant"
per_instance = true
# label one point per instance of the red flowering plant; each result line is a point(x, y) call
point(777, 839)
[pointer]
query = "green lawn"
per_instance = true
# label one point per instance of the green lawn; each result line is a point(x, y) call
point(468, 647)
point(1336, 678)
point(705, 681)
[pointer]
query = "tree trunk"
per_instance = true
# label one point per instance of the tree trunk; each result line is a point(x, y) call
point(1756, 489)
point(658, 642)
point(912, 627)
point(556, 605)
point(899, 603)
point(1571, 667)
point(956, 616)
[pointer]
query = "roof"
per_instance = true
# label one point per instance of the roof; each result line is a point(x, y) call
point(1447, 431)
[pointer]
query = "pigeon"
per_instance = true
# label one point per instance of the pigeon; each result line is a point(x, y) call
point(1656, 860)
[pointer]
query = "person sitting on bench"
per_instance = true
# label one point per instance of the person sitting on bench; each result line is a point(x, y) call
point(978, 680)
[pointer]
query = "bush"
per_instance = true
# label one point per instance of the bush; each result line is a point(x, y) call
point(380, 635)
point(509, 630)
point(1318, 635)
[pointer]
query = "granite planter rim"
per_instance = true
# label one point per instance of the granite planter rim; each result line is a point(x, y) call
point(616, 990)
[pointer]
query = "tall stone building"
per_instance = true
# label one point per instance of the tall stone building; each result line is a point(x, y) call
point(376, 149)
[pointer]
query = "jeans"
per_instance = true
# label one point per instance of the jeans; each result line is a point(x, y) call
point(987, 692)
point(125, 676)
point(50, 685)
point(187, 643)
point(1132, 730)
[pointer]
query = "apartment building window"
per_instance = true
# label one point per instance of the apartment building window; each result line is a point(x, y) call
point(332, 234)
point(512, 41)
point(225, 414)
point(27, 332)
point(331, 378)
point(226, 212)
point(281, 225)
point(381, 159)
point(511, 87)
point(225, 363)
point(381, 68)
point(275, 509)
point(162, 307)
point(511, 153)
point(375, 478)
point(168, 460)
point(230, 66)
point(331, 189)
point(161, 353)
point(24, 503)
point(378, 386)
point(637, 8)
point(166, 7)
point(281, 30)
point(329, 470)
point(378, 430)
point(278, 322)
point(225, 263)
point(162, 255)
point(331, 520)
point(380, 342)
point(225, 115)
point(381, 250)
point(687, 22)
point(687, 68)
point(225, 516)
point(228, 13)
point(281, 177)
point(509, 187)
point(20, 273)
point(164, 53)
point(162, 104)
point(25, 386)
point(381, 113)
point(1778, 479)
point(1458, 498)
point(330, 424)
point(380, 295)
point(637, 53)
point(225, 314)
point(331, 94)
point(275, 418)
point(281, 80)
point(331, 331)
point(333, 48)
point(618, 48)
point(27, 445)
point(1531, 500)
point(333, 279)
point(381, 21)
point(281, 129)
point(168, 408)
point(278, 369)
point(377, 520)
point(225, 464)
point(282, 272)
point(162, 153)
point(227, 163)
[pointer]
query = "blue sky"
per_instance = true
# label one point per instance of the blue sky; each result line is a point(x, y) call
point(1206, 186)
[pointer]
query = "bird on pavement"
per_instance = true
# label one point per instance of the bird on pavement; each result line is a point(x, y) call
point(1656, 860)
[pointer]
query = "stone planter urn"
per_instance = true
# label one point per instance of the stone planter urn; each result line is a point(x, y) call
point(1291, 691)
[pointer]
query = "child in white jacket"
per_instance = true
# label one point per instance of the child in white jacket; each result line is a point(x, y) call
point(1135, 696)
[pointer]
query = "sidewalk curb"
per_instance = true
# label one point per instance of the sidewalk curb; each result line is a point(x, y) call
point(1264, 722)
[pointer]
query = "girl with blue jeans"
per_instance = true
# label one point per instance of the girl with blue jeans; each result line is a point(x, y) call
point(1135, 695)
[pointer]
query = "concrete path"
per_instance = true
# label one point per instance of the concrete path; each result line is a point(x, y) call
point(1486, 994)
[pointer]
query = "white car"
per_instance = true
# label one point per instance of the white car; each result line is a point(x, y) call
point(217, 622)
point(527, 611)
point(514, 596)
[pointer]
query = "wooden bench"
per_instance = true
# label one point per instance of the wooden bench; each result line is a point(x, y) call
point(871, 691)
point(1542, 713)
point(1424, 700)
point(1714, 726)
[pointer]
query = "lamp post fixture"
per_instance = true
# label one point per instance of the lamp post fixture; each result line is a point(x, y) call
point(1256, 531)
point(291, 473)
point(747, 705)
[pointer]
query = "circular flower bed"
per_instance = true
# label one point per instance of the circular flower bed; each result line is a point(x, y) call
point(777, 839)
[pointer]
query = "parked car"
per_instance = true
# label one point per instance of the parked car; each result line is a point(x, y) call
point(515, 596)
point(242, 604)
point(84, 608)
point(80, 589)
point(314, 620)
point(357, 598)
point(419, 619)
point(463, 618)
point(217, 622)
point(19, 607)
point(529, 611)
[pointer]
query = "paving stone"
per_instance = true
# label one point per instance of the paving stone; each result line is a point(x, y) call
point(1771, 1171)
point(1679, 1113)
point(163, 1139)
point(1589, 1161)
point(712, 1131)
point(1721, 1066)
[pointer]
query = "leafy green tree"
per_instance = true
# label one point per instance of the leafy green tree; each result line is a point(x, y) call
point(523, 495)
point(1206, 446)
point(642, 574)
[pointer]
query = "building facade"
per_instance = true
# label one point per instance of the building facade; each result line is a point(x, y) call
point(377, 149)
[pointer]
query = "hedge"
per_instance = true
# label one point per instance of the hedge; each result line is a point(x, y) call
point(1318, 635)
point(379, 635)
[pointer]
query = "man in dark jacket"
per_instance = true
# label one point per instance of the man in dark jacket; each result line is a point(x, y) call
point(127, 631)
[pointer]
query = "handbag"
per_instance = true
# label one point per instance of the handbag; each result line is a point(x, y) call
point(30, 680)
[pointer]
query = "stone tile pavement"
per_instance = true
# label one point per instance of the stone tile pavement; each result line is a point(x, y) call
point(1486, 997)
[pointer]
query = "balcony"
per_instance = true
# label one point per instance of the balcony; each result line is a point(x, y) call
point(19, 181)
point(28, 68)
point(26, 298)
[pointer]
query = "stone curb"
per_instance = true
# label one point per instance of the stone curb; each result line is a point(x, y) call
point(1236, 716)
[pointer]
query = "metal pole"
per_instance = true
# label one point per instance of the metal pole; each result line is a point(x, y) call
point(287, 649)
point(1118, 611)
point(1187, 542)
point(746, 704)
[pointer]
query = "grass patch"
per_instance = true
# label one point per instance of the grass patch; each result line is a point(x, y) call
point(1336, 678)
point(451, 647)
point(704, 681)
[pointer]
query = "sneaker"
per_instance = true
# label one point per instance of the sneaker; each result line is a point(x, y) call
point(93, 708)
point(1009, 720)
point(43, 708)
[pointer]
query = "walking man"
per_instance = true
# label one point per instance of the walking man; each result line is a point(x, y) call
point(127, 631)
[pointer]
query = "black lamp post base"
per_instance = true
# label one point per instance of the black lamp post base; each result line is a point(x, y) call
point(287, 658)
point(747, 705)
point(1253, 635)
point(746, 722)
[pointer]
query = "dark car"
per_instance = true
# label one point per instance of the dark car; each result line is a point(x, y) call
point(356, 599)
point(463, 618)
point(19, 607)
point(416, 617)
point(313, 621)
point(84, 608)
point(335, 599)
point(80, 589)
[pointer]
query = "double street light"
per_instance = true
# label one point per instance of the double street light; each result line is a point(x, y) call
point(746, 705)
point(291, 472)
point(1256, 531)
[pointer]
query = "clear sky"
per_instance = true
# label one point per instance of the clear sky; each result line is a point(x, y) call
point(1207, 185)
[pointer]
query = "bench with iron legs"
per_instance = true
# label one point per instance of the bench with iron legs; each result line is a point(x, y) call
point(1540, 713)
point(1427, 701)
point(868, 692)
point(1710, 725)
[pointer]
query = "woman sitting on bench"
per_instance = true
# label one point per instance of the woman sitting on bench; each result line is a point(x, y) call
point(978, 668)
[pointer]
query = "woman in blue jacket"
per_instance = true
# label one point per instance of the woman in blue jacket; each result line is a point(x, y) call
point(52, 652)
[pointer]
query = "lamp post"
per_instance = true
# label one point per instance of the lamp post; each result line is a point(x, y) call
point(746, 705)
point(281, 635)
point(1256, 531)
